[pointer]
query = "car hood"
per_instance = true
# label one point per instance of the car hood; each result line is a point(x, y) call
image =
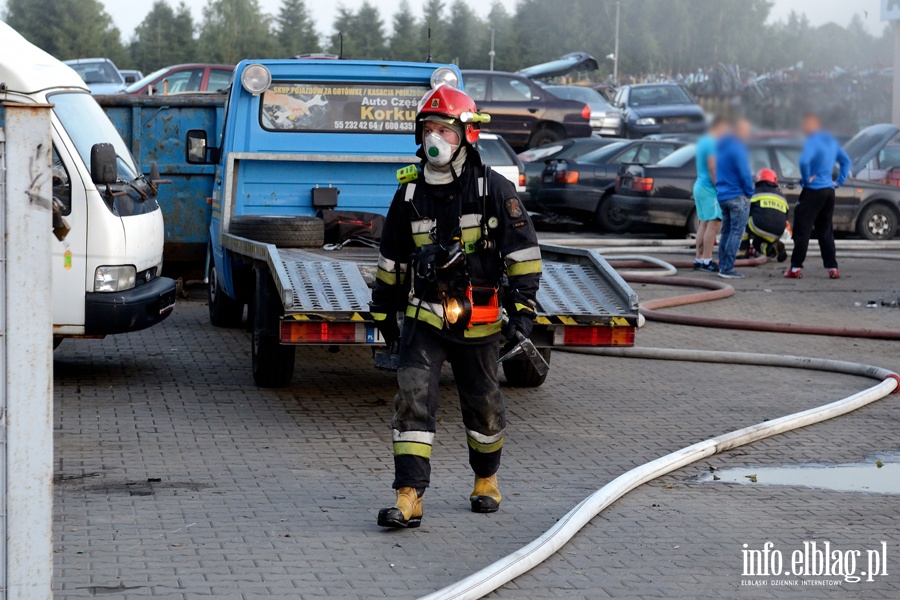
point(667, 110)
point(106, 88)
point(562, 66)
point(867, 143)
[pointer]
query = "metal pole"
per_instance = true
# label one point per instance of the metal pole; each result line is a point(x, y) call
point(895, 103)
point(616, 51)
point(492, 54)
point(26, 393)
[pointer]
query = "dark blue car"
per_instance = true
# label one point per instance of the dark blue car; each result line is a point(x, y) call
point(653, 108)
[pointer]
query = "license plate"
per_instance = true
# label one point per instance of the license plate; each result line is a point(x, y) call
point(373, 335)
point(166, 302)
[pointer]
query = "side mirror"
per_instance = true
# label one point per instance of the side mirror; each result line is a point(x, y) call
point(103, 164)
point(197, 148)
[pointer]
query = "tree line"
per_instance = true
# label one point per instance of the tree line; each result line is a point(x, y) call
point(656, 36)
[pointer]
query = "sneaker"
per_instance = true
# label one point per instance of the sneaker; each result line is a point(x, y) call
point(698, 265)
point(730, 275)
point(793, 273)
point(834, 274)
point(712, 267)
point(780, 251)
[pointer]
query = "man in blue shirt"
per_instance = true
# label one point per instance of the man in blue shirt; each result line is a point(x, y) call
point(734, 188)
point(815, 208)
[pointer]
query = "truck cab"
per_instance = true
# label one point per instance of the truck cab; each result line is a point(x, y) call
point(106, 269)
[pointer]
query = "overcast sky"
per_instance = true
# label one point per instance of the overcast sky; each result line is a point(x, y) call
point(127, 14)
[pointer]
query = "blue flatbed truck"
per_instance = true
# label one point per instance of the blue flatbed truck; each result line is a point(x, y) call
point(300, 136)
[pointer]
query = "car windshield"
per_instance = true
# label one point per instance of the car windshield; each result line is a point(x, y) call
point(655, 95)
point(540, 153)
point(680, 157)
point(581, 94)
point(87, 124)
point(599, 156)
point(97, 72)
point(148, 79)
point(493, 154)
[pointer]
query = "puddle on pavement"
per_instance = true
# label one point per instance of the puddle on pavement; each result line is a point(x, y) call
point(854, 477)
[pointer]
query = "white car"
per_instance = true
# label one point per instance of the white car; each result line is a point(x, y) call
point(499, 156)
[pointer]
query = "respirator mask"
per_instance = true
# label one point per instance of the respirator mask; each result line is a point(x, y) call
point(438, 151)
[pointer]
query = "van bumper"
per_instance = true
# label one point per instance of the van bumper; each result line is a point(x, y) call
point(138, 308)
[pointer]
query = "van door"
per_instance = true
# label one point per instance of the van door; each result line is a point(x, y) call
point(69, 256)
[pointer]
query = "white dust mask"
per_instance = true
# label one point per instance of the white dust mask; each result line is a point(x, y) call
point(438, 151)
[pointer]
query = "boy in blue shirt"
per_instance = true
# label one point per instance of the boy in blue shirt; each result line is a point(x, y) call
point(734, 188)
point(706, 202)
point(815, 208)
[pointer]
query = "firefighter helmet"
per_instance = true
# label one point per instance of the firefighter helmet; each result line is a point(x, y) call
point(448, 102)
point(767, 175)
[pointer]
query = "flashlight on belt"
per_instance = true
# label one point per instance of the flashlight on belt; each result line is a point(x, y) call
point(479, 306)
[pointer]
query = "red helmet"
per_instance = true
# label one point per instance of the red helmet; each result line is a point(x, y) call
point(448, 102)
point(767, 175)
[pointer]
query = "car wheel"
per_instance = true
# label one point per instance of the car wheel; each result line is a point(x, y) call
point(611, 218)
point(224, 311)
point(877, 222)
point(543, 136)
point(693, 223)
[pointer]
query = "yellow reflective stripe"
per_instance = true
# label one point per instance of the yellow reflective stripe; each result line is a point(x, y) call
point(414, 448)
point(524, 268)
point(520, 307)
point(389, 277)
point(423, 314)
point(769, 201)
point(484, 448)
point(470, 234)
point(523, 255)
point(421, 239)
point(379, 316)
point(480, 331)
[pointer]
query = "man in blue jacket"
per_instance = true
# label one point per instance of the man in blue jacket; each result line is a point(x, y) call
point(734, 188)
point(815, 208)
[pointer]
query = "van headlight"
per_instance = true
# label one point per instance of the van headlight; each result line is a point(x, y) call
point(646, 121)
point(256, 79)
point(114, 279)
point(444, 76)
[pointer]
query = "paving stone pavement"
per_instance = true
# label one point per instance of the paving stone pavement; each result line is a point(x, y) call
point(178, 478)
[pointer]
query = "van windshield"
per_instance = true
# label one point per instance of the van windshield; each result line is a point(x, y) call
point(87, 124)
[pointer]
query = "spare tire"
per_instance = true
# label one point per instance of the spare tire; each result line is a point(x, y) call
point(283, 231)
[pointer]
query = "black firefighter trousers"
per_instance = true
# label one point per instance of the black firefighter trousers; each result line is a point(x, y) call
point(423, 351)
point(815, 209)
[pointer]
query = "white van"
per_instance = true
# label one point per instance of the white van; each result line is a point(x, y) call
point(106, 271)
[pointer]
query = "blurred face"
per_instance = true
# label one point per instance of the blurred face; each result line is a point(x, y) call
point(719, 129)
point(742, 129)
point(442, 130)
point(811, 124)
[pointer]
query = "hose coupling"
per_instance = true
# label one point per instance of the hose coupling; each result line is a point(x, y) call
point(897, 378)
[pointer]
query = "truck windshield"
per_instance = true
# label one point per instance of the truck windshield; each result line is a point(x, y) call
point(87, 124)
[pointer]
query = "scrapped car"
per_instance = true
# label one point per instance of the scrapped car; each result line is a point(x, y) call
point(500, 157)
point(605, 120)
point(522, 112)
point(581, 188)
point(100, 74)
point(535, 160)
point(662, 194)
point(658, 108)
point(184, 79)
point(131, 75)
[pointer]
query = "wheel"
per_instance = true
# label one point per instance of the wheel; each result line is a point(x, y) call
point(877, 222)
point(543, 136)
point(610, 218)
point(283, 231)
point(272, 363)
point(693, 223)
point(521, 373)
point(224, 311)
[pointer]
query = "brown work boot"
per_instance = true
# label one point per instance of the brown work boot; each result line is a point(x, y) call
point(406, 512)
point(485, 497)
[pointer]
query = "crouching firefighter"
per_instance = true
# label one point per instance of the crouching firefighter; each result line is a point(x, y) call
point(768, 218)
point(457, 248)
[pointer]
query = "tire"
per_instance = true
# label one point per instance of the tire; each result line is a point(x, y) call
point(543, 136)
point(521, 373)
point(693, 223)
point(877, 222)
point(611, 220)
point(224, 311)
point(272, 363)
point(283, 231)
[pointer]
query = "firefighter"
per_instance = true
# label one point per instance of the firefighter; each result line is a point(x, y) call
point(768, 218)
point(457, 248)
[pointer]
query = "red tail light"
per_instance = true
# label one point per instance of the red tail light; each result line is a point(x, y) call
point(581, 335)
point(586, 112)
point(642, 184)
point(522, 179)
point(566, 177)
point(296, 332)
